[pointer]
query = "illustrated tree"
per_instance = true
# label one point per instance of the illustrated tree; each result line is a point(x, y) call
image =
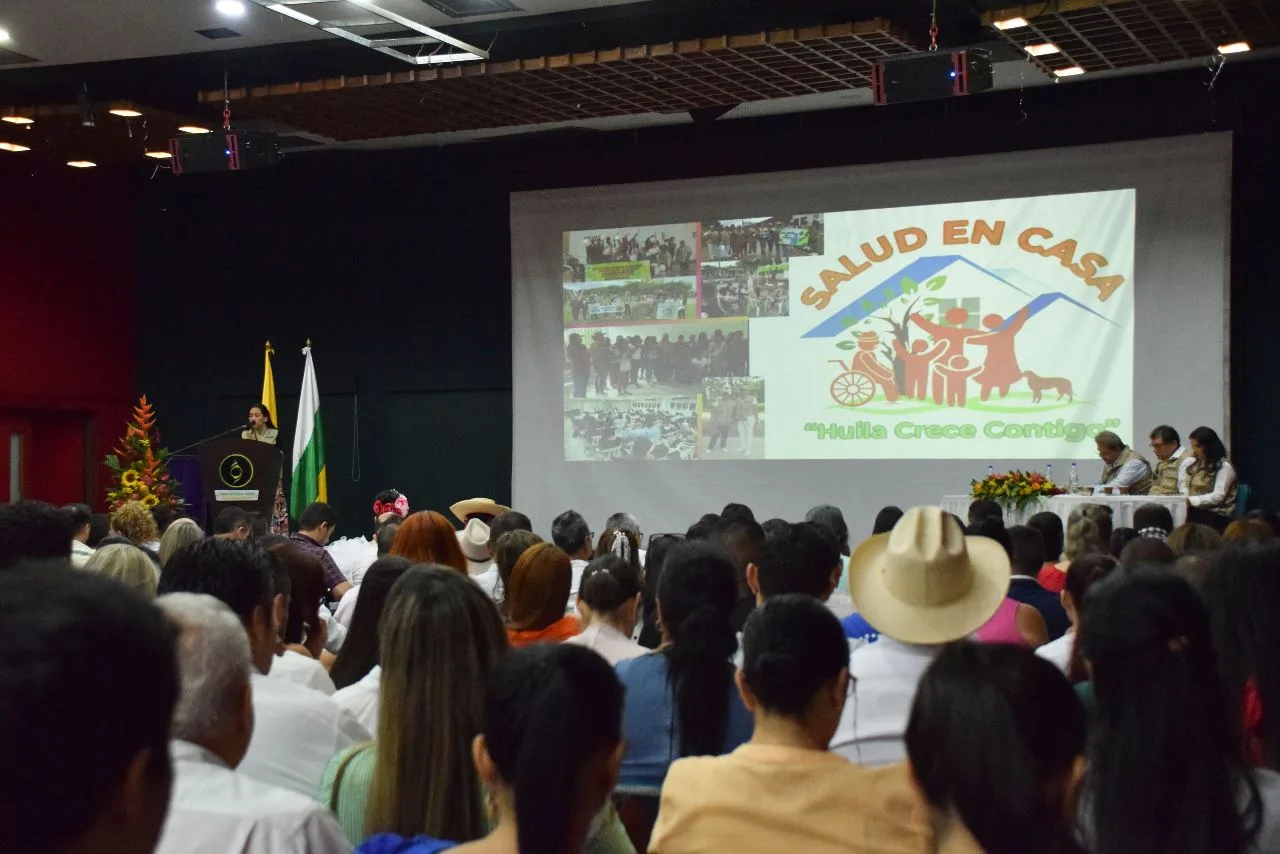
point(907, 294)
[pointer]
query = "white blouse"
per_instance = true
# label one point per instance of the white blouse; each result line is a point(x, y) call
point(611, 644)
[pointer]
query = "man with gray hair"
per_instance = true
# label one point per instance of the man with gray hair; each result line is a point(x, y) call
point(1122, 466)
point(214, 809)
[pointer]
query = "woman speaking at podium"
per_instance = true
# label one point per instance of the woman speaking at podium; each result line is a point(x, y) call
point(263, 429)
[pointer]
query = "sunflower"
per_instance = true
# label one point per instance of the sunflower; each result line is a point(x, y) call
point(150, 501)
point(129, 478)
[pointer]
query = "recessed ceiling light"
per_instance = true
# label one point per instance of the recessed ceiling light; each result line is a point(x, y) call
point(159, 155)
point(1234, 47)
point(1068, 72)
point(4, 35)
point(194, 129)
point(1010, 23)
point(230, 8)
point(81, 164)
point(125, 112)
point(13, 146)
point(17, 120)
point(1043, 49)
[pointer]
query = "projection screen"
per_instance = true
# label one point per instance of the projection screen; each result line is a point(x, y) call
point(862, 336)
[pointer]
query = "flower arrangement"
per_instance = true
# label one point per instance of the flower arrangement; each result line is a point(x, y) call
point(140, 465)
point(1015, 489)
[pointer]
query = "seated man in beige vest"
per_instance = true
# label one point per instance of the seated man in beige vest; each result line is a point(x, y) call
point(1122, 466)
point(1170, 456)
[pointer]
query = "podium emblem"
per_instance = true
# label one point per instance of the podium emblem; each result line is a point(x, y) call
point(236, 471)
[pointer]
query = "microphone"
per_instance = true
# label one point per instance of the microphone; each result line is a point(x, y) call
point(239, 428)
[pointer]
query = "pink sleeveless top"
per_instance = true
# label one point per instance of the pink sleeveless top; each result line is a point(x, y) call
point(1003, 627)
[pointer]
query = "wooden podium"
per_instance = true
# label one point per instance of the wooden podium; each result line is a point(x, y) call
point(240, 473)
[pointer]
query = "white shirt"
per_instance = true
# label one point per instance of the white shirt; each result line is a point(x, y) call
point(80, 554)
point(1130, 473)
point(302, 670)
point(612, 644)
point(296, 732)
point(1222, 483)
point(883, 677)
point(489, 580)
point(216, 810)
point(347, 607)
point(1059, 651)
point(360, 699)
point(575, 584)
point(353, 556)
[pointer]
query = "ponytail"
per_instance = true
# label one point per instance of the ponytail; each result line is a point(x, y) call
point(697, 596)
point(544, 780)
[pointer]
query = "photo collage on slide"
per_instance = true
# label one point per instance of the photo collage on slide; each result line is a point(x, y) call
point(656, 335)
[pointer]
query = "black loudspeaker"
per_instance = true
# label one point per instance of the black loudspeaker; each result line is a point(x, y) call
point(223, 151)
point(931, 75)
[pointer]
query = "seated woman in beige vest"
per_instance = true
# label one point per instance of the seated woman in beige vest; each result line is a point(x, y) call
point(1122, 466)
point(1209, 481)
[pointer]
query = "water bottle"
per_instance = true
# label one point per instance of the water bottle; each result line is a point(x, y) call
point(1073, 484)
point(1048, 472)
point(991, 470)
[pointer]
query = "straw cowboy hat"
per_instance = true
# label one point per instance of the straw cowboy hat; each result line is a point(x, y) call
point(925, 582)
point(474, 542)
point(476, 507)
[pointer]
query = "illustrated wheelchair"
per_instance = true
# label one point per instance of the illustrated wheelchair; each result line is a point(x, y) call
point(852, 387)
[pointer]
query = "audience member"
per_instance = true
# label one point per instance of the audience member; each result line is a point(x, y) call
point(33, 530)
point(383, 538)
point(133, 521)
point(315, 526)
point(1083, 537)
point(182, 533)
point(81, 519)
point(1240, 529)
point(1029, 557)
point(1013, 622)
point(88, 683)
point(572, 535)
point(1146, 551)
point(680, 700)
point(1165, 770)
point(1153, 520)
point(1191, 538)
point(548, 754)
point(1194, 567)
point(802, 559)
point(995, 742)
point(296, 730)
point(628, 523)
point(769, 526)
point(473, 540)
point(359, 654)
point(1120, 538)
point(427, 537)
point(703, 528)
point(922, 585)
point(484, 509)
point(440, 637)
point(509, 549)
point(608, 606)
point(214, 808)
point(354, 556)
point(659, 546)
point(742, 539)
point(127, 564)
point(99, 527)
point(166, 516)
point(984, 508)
point(832, 520)
point(232, 523)
point(617, 542)
point(538, 597)
point(259, 526)
point(783, 790)
point(1083, 574)
point(886, 519)
point(1243, 596)
point(303, 631)
point(1051, 531)
point(490, 580)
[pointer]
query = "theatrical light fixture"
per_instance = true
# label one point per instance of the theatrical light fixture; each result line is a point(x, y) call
point(1234, 47)
point(4, 35)
point(1010, 23)
point(13, 146)
point(230, 8)
point(1068, 72)
point(81, 164)
point(1045, 49)
point(17, 120)
point(159, 155)
point(294, 13)
point(124, 112)
point(194, 129)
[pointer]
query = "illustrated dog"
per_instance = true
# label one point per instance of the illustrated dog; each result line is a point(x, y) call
point(1040, 384)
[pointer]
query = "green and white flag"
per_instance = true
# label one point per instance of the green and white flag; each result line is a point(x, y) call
point(309, 481)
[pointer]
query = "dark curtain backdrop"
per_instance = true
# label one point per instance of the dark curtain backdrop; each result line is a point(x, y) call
point(397, 265)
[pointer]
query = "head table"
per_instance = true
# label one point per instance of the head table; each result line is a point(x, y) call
point(1122, 507)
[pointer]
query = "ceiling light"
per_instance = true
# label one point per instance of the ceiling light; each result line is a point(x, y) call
point(1234, 47)
point(4, 35)
point(1043, 49)
point(17, 120)
point(81, 164)
point(293, 13)
point(13, 146)
point(125, 112)
point(193, 129)
point(1068, 72)
point(1010, 23)
point(159, 155)
point(230, 8)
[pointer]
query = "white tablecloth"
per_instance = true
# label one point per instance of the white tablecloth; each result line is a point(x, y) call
point(1122, 507)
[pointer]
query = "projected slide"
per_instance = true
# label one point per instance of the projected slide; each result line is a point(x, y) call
point(987, 329)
